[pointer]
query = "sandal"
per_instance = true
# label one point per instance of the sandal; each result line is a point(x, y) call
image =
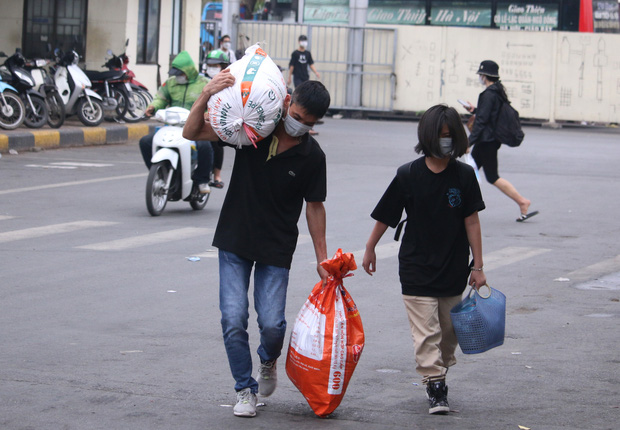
point(216, 184)
point(523, 217)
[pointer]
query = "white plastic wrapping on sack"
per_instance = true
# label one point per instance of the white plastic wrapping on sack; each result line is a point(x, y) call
point(249, 111)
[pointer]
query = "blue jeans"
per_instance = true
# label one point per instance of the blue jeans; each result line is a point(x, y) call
point(270, 284)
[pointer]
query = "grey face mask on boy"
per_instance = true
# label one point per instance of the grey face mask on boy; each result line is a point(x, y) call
point(445, 143)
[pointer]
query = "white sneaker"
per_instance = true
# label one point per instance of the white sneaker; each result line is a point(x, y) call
point(267, 378)
point(246, 403)
point(204, 188)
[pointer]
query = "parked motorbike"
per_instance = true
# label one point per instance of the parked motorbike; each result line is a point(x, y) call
point(135, 84)
point(45, 85)
point(75, 89)
point(111, 87)
point(12, 110)
point(137, 98)
point(22, 80)
point(170, 176)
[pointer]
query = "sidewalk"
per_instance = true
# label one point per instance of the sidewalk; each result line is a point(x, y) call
point(72, 133)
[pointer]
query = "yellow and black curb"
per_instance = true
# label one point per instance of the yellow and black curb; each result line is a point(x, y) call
point(24, 140)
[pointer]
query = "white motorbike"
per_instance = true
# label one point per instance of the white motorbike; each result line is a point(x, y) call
point(75, 89)
point(173, 162)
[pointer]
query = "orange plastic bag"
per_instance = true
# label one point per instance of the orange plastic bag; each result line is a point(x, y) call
point(327, 339)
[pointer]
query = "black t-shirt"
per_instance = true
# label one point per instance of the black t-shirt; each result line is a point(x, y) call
point(434, 253)
point(300, 62)
point(258, 220)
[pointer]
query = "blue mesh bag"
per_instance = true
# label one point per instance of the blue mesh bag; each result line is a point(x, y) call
point(480, 320)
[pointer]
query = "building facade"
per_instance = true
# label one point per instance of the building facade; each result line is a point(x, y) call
point(156, 29)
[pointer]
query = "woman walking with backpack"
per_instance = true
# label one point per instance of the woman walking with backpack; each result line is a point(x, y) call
point(483, 136)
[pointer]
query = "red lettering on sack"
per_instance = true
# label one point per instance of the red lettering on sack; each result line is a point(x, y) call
point(357, 352)
point(337, 379)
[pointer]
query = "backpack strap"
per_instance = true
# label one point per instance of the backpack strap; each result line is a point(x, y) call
point(461, 168)
point(399, 228)
point(403, 174)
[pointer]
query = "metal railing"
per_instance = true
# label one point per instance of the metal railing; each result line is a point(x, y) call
point(359, 76)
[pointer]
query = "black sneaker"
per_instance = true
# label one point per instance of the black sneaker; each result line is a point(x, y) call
point(437, 393)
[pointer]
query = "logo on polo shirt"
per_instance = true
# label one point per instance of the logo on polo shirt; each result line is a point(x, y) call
point(454, 197)
point(290, 172)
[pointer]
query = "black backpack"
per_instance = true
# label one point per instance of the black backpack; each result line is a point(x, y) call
point(508, 126)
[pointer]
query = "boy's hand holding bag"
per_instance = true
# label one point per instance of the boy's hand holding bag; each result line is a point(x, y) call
point(327, 339)
point(480, 320)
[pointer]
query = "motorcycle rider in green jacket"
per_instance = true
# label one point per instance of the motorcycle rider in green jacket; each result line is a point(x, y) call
point(181, 89)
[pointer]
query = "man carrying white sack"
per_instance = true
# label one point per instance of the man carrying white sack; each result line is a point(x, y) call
point(258, 228)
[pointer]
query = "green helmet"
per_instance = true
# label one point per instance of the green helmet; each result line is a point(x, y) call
point(218, 57)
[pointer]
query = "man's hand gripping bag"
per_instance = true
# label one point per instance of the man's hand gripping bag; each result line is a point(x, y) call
point(327, 339)
point(249, 111)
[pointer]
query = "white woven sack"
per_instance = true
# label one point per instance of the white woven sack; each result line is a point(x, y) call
point(249, 111)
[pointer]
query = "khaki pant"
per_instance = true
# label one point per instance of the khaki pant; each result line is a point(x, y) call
point(433, 334)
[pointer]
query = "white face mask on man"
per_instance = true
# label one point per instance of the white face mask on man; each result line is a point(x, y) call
point(295, 128)
point(212, 71)
point(226, 46)
point(181, 80)
point(303, 44)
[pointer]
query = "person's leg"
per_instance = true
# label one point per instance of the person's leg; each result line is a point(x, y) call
point(202, 174)
point(270, 285)
point(146, 148)
point(423, 315)
point(218, 161)
point(485, 156)
point(234, 284)
point(448, 342)
point(507, 188)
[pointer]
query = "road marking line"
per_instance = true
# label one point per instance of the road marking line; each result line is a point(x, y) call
point(30, 233)
point(492, 260)
point(212, 253)
point(593, 271)
point(3, 217)
point(69, 184)
point(48, 166)
point(73, 163)
point(148, 239)
point(387, 250)
point(303, 239)
point(510, 255)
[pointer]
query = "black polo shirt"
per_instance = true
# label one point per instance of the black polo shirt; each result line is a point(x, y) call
point(259, 216)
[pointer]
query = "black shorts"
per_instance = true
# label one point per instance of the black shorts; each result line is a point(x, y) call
point(485, 156)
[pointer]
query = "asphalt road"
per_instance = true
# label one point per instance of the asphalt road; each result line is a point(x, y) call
point(105, 323)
